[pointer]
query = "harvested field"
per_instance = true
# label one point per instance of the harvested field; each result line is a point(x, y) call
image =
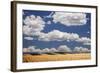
point(56, 57)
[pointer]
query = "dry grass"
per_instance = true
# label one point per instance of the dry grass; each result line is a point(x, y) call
point(57, 57)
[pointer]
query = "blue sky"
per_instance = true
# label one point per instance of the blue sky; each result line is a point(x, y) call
point(81, 30)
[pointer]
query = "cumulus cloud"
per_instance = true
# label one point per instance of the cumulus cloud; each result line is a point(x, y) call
point(86, 43)
point(57, 35)
point(53, 50)
point(37, 50)
point(59, 49)
point(48, 22)
point(84, 40)
point(49, 16)
point(70, 19)
point(28, 38)
point(33, 24)
point(49, 50)
point(71, 36)
point(26, 50)
point(27, 30)
point(81, 49)
point(63, 48)
point(46, 50)
point(33, 49)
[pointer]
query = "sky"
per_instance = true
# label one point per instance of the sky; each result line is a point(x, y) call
point(53, 29)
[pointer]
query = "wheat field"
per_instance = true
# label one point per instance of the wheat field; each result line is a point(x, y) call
point(57, 57)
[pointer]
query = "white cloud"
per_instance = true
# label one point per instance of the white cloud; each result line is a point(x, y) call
point(86, 43)
point(28, 38)
point(71, 36)
point(26, 50)
point(81, 49)
point(27, 30)
point(84, 40)
point(46, 50)
point(57, 35)
point(48, 22)
point(37, 50)
point(70, 19)
point(34, 49)
point(49, 50)
point(63, 48)
point(31, 47)
point(33, 24)
point(53, 50)
point(49, 16)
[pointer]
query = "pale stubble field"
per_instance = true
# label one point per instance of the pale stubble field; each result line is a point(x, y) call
point(56, 57)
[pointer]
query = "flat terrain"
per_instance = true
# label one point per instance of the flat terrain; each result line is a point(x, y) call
point(56, 57)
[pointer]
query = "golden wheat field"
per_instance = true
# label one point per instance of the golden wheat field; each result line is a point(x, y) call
point(57, 57)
